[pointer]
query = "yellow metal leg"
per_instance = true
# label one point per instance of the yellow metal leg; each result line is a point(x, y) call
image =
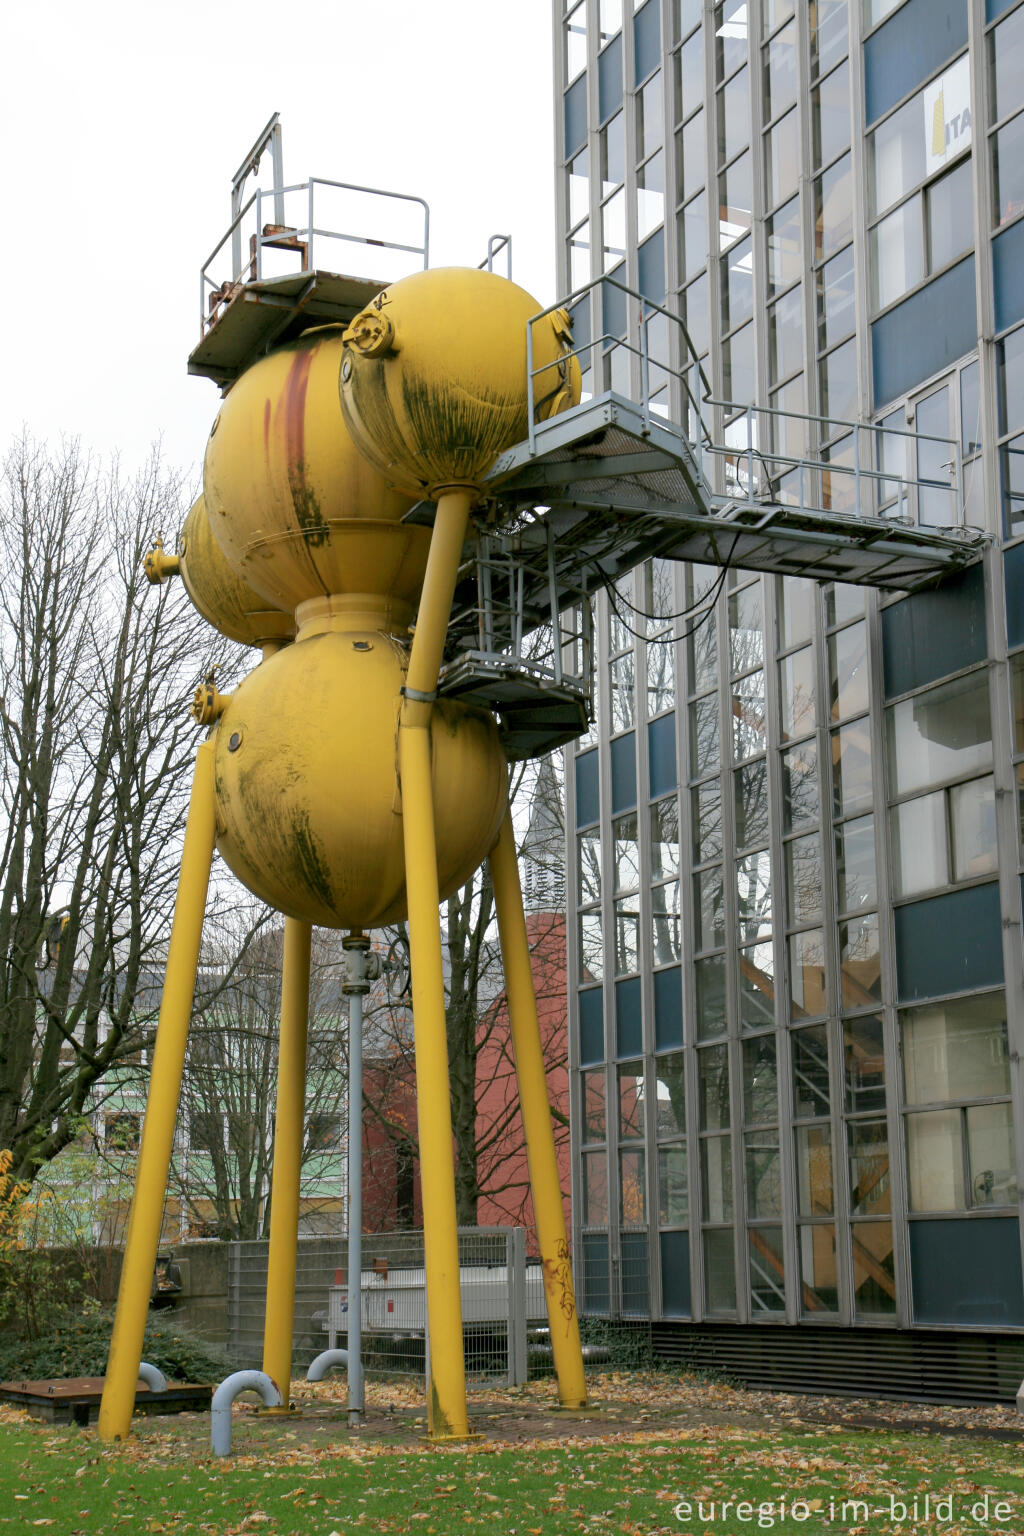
point(284, 1208)
point(559, 1293)
point(162, 1107)
point(446, 1387)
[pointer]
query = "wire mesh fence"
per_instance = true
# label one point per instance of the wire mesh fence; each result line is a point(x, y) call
point(502, 1299)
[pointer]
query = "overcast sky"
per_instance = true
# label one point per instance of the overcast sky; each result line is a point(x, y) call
point(123, 123)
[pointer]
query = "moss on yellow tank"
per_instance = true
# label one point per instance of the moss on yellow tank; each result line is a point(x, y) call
point(308, 803)
point(297, 510)
point(434, 378)
point(223, 598)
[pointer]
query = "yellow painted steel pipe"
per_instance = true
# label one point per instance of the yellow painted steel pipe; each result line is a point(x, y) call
point(162, 1106)
point(559, 1293)
point(287, 1168)
point(446, 1385)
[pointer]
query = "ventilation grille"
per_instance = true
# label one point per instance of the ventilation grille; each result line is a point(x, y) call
point(926, 1367)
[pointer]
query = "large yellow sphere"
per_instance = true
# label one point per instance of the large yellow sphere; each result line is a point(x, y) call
point(434, 378)
point(297, 510)
point(224, 599)
point(308, 801)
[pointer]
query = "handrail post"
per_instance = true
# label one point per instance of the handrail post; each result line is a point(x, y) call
point(645, 371)
point(310, 264)
point(959, 500)
point(856, 466)
point(259, 233)
point(750, 454)
point(530, 424)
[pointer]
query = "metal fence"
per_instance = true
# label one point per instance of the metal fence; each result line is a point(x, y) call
point(502, 1297)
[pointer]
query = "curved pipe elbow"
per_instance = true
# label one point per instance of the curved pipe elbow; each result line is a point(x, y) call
point(230, 1388)
point(153, 1376)
point(325, 1362)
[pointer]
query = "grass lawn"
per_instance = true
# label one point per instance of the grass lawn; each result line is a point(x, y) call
point(718, 1478)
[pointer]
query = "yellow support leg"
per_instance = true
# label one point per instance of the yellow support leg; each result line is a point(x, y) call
point(559, 1293)
point(162, 1107)
point(287, 1169)
point(446, 1385)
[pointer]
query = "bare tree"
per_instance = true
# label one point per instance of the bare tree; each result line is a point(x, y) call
point(95, 753)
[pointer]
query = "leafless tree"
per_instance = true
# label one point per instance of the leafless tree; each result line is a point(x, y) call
point(95, 753)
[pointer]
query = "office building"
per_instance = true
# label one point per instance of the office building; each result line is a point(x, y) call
point(797, 981)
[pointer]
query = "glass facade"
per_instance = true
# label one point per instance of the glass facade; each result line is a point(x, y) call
point(797, 995)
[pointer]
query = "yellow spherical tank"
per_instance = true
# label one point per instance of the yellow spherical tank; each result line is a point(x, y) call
point(308, 803)
point(224, 599)
point(297, 510)
point(434, 377)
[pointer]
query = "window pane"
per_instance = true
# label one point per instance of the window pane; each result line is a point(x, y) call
point(730, 36)
point(575, 43)
point(796, 598)
point(633, 1187)
point(733, 117)
point(625, 853)
point(782, 159)
point(856, 885)
point(593, 1091)
point(940, 734)
point(665, 923)
point(627, 935)
point(707, 822)
point(1007, 56)
point(713, 1085)
point(800, 786)
point(579, 187)
point(757, 986)
point(720, 1271)
point(837, 377)
point(747, 706)
point(613, 154)
point(833, 209)
point(630, 1076)
point(991, 1154)
point(869, 1168)
point(649, 117)
point(860, 978)
point(737, 286)
point(650, 196)
point(972, 812)
point(810, 1072)
point(709, 915)
point(738, 366)
point(591, 947)
point(920, 855)
point(897, 253)
point(716, 1167)
point(848, 671)
point(864, 1063)
point(594, 1166)
point(588, 852)
point(764, 1177)
point(935, 1164)
point(843, 602)
point(665, 838)
point(760, 1081)
point(950, 216)
point(735, 199)
point(709, 975)
point(579, 256)
point(796, 677)
point(1008, 171)
point(767, 1270)
point(750, 789)
point(818, 1270)
point(874, 1284)
point(671, 1090)
point(704, 754)
point(754, 895)
point(785, 262)
point(807, 974)
point(803, 878)
point(694, 237)
point(835, 299)
point(814, 1170)
point(853, 789)
point(970, 410)
point(786, 334)
point(673, 1186)
point(613, 226)
point(691, 157)
point(831, 116)
point(956, 1050)
point(828, 33)
point(898, 151)
point(780, 71)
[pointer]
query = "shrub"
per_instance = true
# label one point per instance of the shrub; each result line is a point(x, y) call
point(78, 1344)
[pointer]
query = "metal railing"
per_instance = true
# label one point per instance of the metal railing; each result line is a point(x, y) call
point(856, 467)
point(293, 228)
point(495, 245)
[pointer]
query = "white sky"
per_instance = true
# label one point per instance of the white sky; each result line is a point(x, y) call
point(123, 122)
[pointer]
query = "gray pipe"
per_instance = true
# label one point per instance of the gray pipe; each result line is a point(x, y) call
point(325, 1362)
point(154, 1378)
point(229, 1389)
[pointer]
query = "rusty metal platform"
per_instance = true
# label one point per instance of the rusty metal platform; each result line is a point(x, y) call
point(76, 1399)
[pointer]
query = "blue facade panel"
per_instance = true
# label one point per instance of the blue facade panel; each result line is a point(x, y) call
point(924, 334)
point(908, 48)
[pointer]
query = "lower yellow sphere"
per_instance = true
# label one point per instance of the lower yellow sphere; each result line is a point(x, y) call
point(309, 813)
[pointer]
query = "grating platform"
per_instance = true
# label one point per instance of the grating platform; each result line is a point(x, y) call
point(76, 1399)
point(537, 713)
point(255, 316)
point(622, 486)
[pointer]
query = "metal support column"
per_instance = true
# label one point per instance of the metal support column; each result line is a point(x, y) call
point(361, 967)
point(146, 1217)
point(559, 1294)
point(287, 1166)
